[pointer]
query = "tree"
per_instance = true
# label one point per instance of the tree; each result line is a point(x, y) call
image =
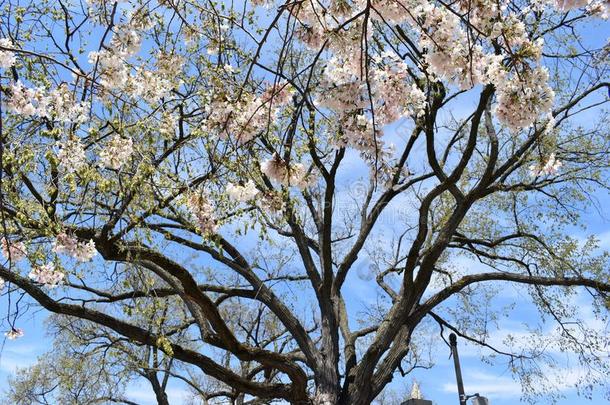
point(234, 159)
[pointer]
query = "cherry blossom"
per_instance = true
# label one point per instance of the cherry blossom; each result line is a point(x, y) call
point(599, 8)
point(204, 212)
point(112, 69)
point(168, 124)
point(126, 41)
point(14, 333)
point(523, 98)
point(71, 154)
point(7, 58)
point(60, 105)
point(116, 152)
point(279, 94)
point(395, 97)
point(240, 120)
point(2, 283)
point(243, 193)
point(169, 64)
point(85, 251)
point(21, 100)
point(46, 274)
point(150, 86)
point(12, 250)
point(565, 5)
point(274, 168)
point(312, 37)
point(294, 174)
point(551, 166)
point(81, 251)
point(57, 104)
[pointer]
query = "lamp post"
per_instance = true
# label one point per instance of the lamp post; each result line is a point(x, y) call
point(478, 400)
point(458, 369)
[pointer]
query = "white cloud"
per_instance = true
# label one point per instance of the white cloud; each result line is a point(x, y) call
point(487, 385)
point(10, 364)
point(501, 386)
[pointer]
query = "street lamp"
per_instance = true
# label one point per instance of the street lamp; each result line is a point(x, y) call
point(476, 398)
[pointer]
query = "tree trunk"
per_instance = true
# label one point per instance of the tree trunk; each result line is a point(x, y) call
point(158, 390)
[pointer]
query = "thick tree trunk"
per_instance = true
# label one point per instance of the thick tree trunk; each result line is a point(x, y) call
point(325, 398)
point(327, 374)
point(357, 396)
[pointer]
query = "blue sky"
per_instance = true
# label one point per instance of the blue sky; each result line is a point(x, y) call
point(437, 384)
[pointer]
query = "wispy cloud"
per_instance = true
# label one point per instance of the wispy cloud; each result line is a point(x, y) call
point(488, 385)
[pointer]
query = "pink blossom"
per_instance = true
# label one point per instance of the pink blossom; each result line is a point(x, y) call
point(81, 251)
point(565, 5)
point(204, 212)
point(294, 174)
point(47, 275)
point(12, 250)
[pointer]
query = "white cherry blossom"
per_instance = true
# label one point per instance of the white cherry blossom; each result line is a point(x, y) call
point(201, 208)
point(551, 166)
point(47, 274)
point(524, 98)
point(7, 58)
point(117, 152)
point(69, 245)
point(241, 193)
point(294, 174)
point(12, 250)
point(71, 155)
point(14, 333)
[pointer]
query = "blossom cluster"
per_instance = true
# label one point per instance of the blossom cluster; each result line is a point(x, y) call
point(599, 8)
point(523, 94)
point(551, 166)
point(520, 102)
point(566, 5)
point(71, 154)
point(12, 250)
point(114, 71)
point(81, 251)
point(116, 152)
point(367, 96)
point(241, 193)
point(7, 58)
point(294, 174)
point(201, 208)
point(393, 95)
point(111, 62)
point(46, 274)
point(167, 125)
point(14, 333)
point(247, 116)
point(150, 86)
point(58, 104)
